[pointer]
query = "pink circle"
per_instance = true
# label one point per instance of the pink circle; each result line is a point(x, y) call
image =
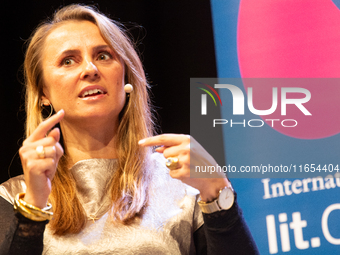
point(293, 39)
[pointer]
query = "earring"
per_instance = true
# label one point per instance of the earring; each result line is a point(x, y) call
point(128, 88)
point(45, 112)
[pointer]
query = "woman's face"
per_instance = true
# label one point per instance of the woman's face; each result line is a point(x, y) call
point(82, 74)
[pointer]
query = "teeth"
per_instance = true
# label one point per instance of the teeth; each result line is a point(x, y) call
point(92, 91)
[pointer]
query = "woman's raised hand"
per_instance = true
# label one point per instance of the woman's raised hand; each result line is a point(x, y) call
point(39, 156)
point(190, 154)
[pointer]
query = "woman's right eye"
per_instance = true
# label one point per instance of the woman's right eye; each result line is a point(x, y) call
point(67, 61)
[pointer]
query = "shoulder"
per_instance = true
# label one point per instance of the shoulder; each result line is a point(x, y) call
point(13, 186)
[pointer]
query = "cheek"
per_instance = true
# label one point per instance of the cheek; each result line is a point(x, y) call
point(57, 89)
point(117, 80)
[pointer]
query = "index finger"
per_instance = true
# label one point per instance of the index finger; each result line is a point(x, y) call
point(45, 126)
point(165, 140)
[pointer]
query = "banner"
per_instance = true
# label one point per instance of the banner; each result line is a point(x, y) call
point(276, 98)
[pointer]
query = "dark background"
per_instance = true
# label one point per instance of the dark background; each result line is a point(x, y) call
point(175, 40)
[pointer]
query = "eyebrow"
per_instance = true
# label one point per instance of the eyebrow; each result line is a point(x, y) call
point(101, 47)
point(73, 52)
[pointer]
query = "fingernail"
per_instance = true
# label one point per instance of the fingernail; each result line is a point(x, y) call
point(141, 141)
point(60, 111)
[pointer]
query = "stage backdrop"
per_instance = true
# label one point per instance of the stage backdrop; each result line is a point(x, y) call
point(287, 157)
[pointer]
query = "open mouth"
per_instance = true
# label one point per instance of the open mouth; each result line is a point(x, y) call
point(92, 92)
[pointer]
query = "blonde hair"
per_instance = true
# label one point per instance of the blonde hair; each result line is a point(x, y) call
point(128, 187)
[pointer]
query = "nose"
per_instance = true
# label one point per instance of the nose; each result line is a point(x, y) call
point(90, 71)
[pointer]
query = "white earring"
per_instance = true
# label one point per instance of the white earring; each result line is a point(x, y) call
point(128, 88)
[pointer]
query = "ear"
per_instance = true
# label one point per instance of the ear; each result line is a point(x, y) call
point(44, 101)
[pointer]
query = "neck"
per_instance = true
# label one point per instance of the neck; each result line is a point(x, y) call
point(89, 141)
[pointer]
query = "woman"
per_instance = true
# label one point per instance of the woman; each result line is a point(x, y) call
point(109, 192)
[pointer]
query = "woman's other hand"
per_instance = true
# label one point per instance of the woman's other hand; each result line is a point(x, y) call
point(190, 154)
point(39, 166)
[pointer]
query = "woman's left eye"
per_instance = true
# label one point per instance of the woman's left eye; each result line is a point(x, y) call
point(104, 56)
